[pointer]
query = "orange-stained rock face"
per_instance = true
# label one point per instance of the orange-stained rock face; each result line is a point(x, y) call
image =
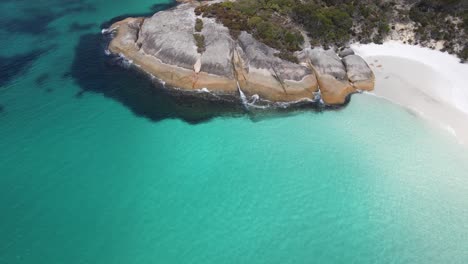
point(334, 92)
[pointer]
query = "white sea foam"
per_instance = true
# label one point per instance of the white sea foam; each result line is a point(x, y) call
point(242, 96)
point(107, 30)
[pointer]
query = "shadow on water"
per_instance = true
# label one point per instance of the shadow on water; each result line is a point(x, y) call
point(153, 9)
point(96, 72)
point(11, 67)
point(76, 27)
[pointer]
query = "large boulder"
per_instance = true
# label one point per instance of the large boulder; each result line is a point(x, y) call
point(331, 74)
point(165, 48)
point(217, 59)
point(168, 36)
point(359, 73)
point(327, 62)
point(262, 73)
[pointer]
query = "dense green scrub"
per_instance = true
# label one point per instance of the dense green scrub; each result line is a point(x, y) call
point(443, 20)
point(278, 23)
point(266, 20)
point(334, 23)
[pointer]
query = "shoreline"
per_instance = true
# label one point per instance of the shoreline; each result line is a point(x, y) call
point(428, 82)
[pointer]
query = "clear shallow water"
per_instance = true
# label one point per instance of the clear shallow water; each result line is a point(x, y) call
point(92, 171)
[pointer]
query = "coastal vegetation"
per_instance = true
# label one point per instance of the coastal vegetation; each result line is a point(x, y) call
point(282, 24)
point(278, 23)
point(200, 42)
point(199, 38)
point(335, 23)
point(198, 25)
point(443, 20)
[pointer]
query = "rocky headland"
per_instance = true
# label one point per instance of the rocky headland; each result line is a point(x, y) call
point(281, 51)
point(164, 46)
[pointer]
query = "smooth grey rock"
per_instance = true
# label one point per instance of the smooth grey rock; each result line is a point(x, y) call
point(217, 59)
point(357, 68)
point(327, 62)
point(168, 36)
point(260, 56)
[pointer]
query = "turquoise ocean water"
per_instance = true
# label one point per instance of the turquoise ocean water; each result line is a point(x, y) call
point(96, 166)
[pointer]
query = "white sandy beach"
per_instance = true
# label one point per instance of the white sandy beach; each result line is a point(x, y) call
point(429, 82)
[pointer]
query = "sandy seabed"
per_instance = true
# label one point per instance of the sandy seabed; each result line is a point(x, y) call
point(430, 83)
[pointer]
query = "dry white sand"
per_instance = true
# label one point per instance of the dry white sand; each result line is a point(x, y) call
point(428, 82)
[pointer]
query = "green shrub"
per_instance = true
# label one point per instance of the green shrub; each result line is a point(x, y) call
point(254, 21)
point(200, 42)
point(465, 20)
point(464, 54)
point(287, 56)
point(198, 25)
point(383, 28)
point(333, 22)
point(329, 25)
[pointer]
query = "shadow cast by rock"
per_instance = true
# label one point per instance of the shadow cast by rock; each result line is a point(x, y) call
point(77, 27)
point(153, 9)
point(95, 72)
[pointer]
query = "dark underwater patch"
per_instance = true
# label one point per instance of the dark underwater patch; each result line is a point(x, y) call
point(34, 24)
point(2, 109)
point(95, 72)
point(42, 79)
point(11, 67)
point(80, 8)
point(76, 27)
